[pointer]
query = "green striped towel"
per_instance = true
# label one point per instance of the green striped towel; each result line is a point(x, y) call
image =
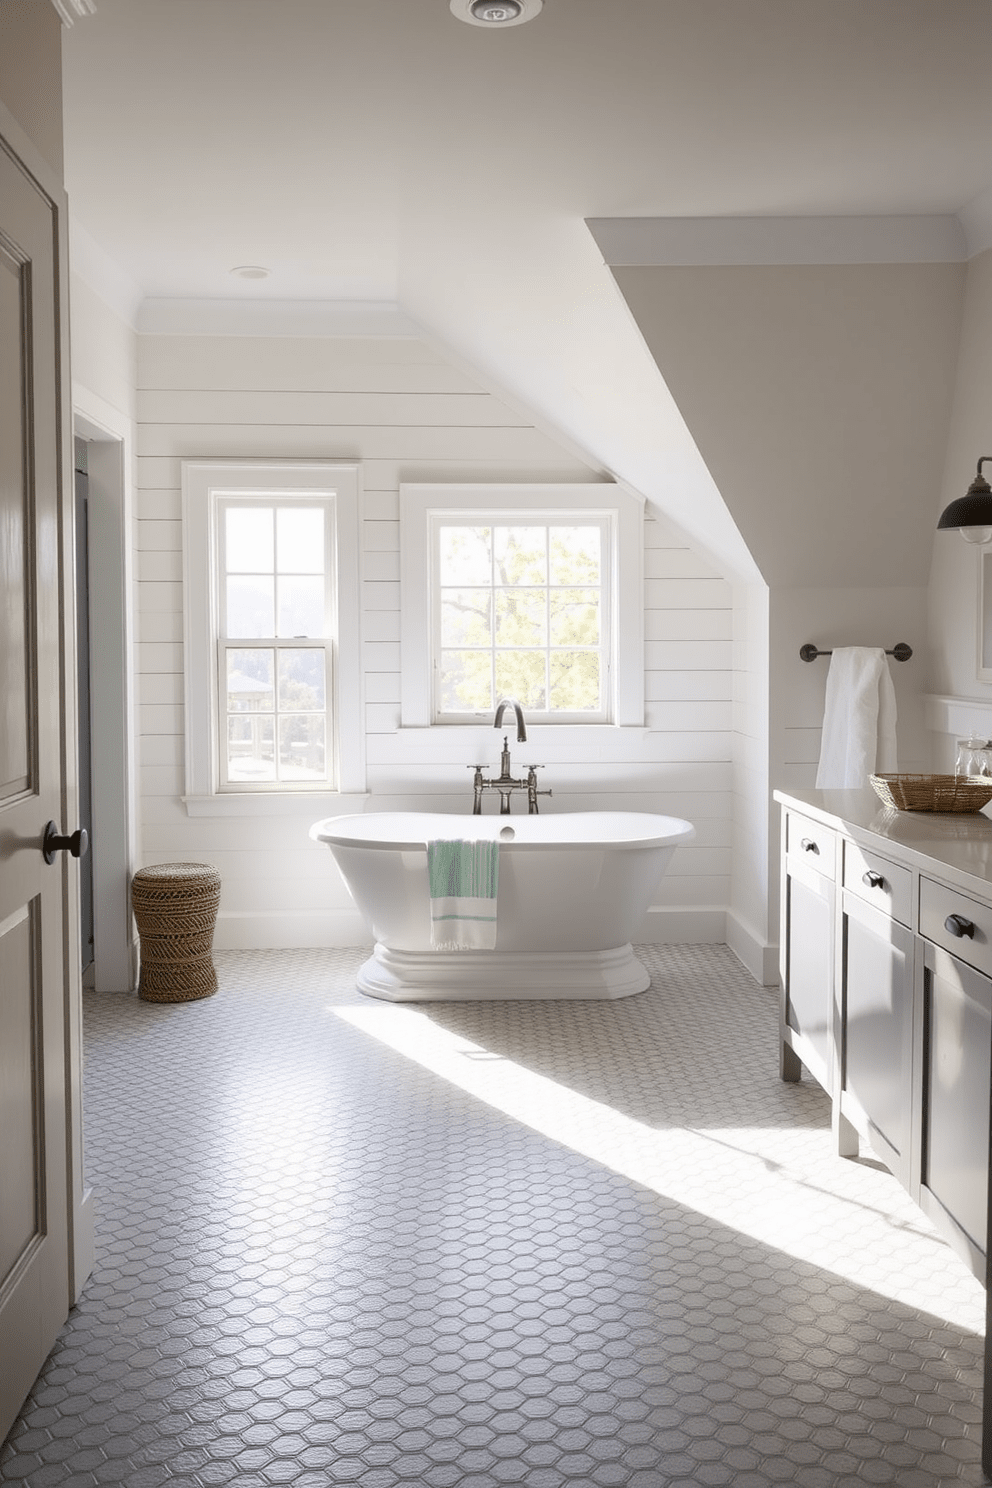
point(463, 880)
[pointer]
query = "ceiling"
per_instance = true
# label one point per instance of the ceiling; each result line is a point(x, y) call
point(383, 151)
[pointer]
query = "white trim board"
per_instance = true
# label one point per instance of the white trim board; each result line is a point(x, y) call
point(758, 956)
point(420, 502)
point(258, 317)
point(289, 929)
point(112, 688)
point(286, 929)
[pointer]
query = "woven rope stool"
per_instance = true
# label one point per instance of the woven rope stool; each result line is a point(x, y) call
point(175, 906)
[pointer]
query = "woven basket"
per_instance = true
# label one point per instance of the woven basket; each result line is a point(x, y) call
point(933, 792)
point(175, 906)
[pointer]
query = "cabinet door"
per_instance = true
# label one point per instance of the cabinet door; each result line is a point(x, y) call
point(807, 993)
point(954, 1147)
point(876, 1030)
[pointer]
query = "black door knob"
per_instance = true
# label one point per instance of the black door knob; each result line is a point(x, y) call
point(959, 926)
point(53, 843)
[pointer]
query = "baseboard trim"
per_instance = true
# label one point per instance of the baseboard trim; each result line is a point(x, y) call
point(245, 930)
point(289, 929)
point(757, 955)
point(681, 925)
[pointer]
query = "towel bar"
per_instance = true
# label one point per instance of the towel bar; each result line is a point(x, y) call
point(901, 652)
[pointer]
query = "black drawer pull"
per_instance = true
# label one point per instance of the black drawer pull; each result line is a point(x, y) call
point(959, 926)
point(873, 880)
point(808, 845)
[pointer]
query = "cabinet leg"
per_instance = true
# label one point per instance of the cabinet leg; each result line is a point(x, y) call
point(846, 1140)
point(791, 1066)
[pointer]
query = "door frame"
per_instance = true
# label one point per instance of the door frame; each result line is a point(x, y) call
point(108, 435)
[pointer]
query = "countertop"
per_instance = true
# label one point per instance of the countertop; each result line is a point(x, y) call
point(957, 844)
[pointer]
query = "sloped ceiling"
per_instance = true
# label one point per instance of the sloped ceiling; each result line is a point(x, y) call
point(380, 150)
point(819, 397)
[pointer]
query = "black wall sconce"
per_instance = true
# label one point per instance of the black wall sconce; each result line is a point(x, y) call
point(971, 514)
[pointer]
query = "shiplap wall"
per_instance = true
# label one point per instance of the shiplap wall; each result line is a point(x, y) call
point(407, 415)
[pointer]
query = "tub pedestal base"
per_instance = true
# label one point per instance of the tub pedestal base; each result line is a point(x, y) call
point(501, 976)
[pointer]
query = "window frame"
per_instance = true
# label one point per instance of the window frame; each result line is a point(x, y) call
point(206, 485)
point(424, 507)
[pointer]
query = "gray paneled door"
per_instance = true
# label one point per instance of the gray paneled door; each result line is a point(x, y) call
point(34, 1218)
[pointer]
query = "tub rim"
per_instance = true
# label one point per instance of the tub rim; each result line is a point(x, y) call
point(676, 833)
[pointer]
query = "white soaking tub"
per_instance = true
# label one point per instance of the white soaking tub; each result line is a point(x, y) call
point(574, 888)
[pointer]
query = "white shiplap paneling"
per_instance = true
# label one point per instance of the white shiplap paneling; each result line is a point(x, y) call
point(406, 415)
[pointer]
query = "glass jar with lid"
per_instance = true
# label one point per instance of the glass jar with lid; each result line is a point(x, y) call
point(974, 757)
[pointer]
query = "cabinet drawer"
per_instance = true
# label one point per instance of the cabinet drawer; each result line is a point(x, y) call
point(808, 842)
point(969, 937)
point(887, 886)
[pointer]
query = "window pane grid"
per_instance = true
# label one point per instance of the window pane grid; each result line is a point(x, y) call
point(274, 700)
point(521, 610)
point(272, 691)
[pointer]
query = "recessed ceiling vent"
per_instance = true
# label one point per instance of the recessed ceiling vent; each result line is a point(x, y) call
point(496, 12)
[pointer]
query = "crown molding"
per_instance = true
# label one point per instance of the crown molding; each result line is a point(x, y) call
point(670, 242)
point(243, 317)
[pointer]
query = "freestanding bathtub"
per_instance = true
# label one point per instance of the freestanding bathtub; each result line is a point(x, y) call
point(573, 891)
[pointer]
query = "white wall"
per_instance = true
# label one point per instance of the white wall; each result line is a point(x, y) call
point(959, 703)
point(819, 396)
point(406, 414)
point(954, 570)
point(750, 932)
point(31, 74)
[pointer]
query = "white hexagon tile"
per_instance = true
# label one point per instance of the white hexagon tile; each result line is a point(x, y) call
point(595, 1245)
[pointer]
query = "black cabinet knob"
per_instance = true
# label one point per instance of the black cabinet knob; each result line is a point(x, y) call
point(957, 925)
point(873, 880)
point(53, 843)
point(808, 845)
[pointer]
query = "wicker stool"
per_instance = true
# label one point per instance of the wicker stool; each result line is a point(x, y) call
point(175, 906)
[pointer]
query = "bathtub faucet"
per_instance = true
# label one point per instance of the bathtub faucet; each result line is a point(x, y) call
point(509, 702)
point(506, 784)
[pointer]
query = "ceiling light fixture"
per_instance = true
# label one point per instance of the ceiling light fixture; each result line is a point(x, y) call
point(971, 514)
point(251, 271)
point(496, 12)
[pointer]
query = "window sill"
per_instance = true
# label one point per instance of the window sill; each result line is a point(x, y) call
point(306, 804)
point(540, 730)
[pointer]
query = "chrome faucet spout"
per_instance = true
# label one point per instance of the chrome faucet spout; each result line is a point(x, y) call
point(509, 702)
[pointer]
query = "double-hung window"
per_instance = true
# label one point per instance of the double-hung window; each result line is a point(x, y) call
point(271, 631)
point(530, 592)
point(275, 644)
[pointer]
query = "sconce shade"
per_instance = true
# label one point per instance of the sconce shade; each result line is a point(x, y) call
point(971, 514)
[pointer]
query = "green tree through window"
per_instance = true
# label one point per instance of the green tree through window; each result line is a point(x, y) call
point(521, 611)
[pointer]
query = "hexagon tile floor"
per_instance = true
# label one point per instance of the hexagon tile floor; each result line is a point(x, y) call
point(590, 1244)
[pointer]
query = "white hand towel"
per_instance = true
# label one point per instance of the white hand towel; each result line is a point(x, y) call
point(859, 719)
point(464, 878)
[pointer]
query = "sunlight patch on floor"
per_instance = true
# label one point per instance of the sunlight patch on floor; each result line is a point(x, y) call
point(780, 1186)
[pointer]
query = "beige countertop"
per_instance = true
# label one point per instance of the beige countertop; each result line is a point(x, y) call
point(958, 845)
